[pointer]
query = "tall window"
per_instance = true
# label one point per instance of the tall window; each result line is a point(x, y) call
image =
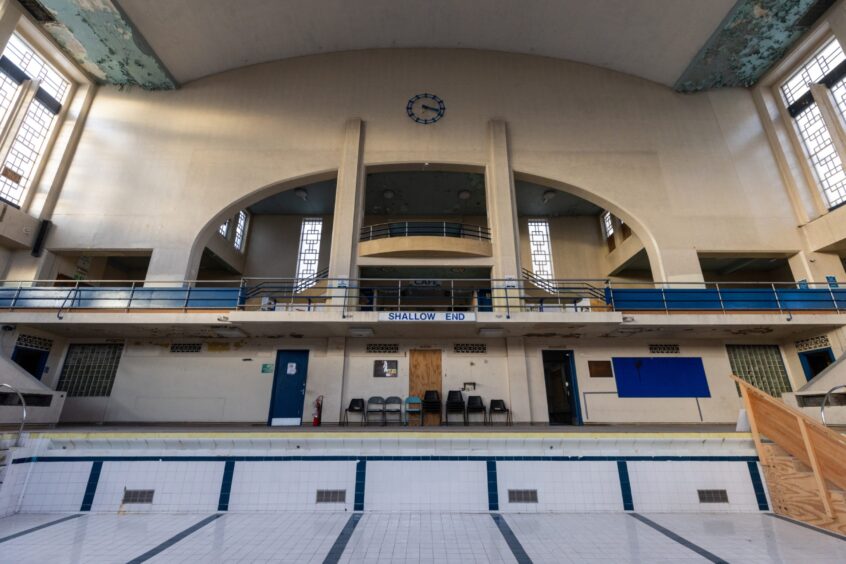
point(607, 224)
point(309, 252)
point(827, 67)
point(540, 248)
point(224, 229)
point(19, 65)
point(240, 238)
point(89, 370)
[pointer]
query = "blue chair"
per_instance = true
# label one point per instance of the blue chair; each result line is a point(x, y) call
point(393, 406)
point(413, 406)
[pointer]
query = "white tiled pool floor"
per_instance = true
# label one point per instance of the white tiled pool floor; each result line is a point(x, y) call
point(413, 537)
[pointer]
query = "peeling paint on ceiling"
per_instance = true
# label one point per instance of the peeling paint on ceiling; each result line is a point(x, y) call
point(753, 36)
point(99, 36)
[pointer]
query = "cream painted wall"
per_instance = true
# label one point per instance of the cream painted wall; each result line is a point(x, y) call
point(153, 168)
point(273, 245)
point(578, 250)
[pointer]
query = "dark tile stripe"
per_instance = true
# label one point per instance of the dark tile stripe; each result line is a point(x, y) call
point(758, 486)
point(493, 488)
point(625, 485)
point(340, 544)
point(679, 539)
point(226, 486)
point(91, 488)
point(39, 527)
point(360, 476)
point(809, 526)
point(175, 539)
point(510, 538)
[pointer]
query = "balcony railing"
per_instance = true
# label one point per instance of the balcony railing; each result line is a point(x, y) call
point(424, 229)
point(376, 294)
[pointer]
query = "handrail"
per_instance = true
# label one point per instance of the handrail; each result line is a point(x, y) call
point(421, 228)
point(804, 438)
point(825, 401)
point(19, 441)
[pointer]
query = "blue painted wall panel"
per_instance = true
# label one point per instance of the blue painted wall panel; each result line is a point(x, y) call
point(677, 377)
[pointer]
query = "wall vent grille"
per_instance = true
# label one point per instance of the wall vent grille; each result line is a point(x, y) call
point(713, 496)
point(186, 347)
point(470, 348)
point(331, 496)
point(35, 343)
point(382, 348)
point(813, 343)
point(664, 349)
point(138, 496)
point(522, 496)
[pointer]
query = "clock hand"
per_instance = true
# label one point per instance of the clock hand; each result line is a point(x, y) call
point(425, 107)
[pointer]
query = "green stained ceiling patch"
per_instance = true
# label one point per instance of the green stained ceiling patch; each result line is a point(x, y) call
point(754, 36)
point(102, 39)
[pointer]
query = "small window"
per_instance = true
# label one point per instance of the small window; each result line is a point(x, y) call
point(540, 248)
point(308, 256)
point(89, 370)
point(223, 230)
point(240, 238)
point(607, 224)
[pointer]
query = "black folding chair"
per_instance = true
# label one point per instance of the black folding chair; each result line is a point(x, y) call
point(393, 406)
point(476, 405)
point(432, 404)
point(498, 406)
point(455, 404)
point(356, 406)
point(375, 404)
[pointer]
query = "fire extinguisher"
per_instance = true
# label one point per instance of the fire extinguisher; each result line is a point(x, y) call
point(317, 411)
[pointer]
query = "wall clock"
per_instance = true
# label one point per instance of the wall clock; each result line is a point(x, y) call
point(425, 108)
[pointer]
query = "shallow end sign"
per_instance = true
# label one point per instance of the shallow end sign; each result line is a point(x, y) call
point(424, 316)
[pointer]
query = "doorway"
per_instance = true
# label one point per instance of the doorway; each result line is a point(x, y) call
point(424, 373)
point(561, 388)
point(289, 388)
point(32, 360)
point(814, 362)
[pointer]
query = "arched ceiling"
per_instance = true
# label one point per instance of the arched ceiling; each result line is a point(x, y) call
point(689, 44)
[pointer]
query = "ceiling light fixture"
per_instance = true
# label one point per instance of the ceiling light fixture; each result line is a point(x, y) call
point(548, 195)
point(388, 194)
point(464, 195)
point(301, 193)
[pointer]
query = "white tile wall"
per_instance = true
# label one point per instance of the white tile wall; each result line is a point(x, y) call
point(562, 486)
point(11, 488)
point(54, 487)
point(671, 486)
point(179, 486)
point(438, 486)
point(290, 485)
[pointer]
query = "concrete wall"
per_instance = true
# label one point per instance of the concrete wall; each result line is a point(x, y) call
point(273, 244)
point(695, 171)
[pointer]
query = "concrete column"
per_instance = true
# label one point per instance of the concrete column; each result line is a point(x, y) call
point(501, 203)
point(327, 382)
point(520, 401)
point(349, 202)
point(814, 267)
point(682, 265)
point(171, 265)
point(10, 13)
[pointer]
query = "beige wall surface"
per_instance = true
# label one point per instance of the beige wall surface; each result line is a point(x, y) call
point(273, 244)
point(685, 171)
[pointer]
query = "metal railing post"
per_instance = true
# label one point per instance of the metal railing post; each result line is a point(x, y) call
point(720, 297)
point(825, 401)
point(187, 299)
point(406, 229)
point(833, 299)
point(507, 302)
point(19, 440)
point(452, 295)
point(664, 299)
point(131, 295)
point(16, 296)
point(778, 301)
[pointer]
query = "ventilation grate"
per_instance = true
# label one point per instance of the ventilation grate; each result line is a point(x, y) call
point(522, 496)
point(713, 496)
point(382, 348)
point(331, 496)
point(813, 343)
point(470, 348)
point(664, 349)
point(37, 11)
point(186, 347)
point(138, 496)
point(35, 343)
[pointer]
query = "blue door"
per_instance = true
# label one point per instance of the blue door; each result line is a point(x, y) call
point(289, 387)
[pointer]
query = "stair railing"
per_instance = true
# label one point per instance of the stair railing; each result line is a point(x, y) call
point(825, 401)
point(19, 440)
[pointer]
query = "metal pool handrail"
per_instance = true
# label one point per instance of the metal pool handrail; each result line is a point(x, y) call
point(825, 401)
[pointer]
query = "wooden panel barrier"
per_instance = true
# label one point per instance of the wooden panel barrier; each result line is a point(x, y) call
point(806, 471)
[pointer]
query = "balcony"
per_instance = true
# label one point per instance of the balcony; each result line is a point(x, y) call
point(424, 238)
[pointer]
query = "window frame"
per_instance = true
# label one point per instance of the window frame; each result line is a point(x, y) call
point(298, 275)
point(551, 263)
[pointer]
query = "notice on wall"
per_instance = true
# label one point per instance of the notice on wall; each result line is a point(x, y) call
point(267, 368)
point(292, 369)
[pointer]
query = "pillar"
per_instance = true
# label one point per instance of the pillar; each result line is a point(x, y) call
point(172, 265)
point(815, 267)
point(501, 204)
point(9, 16)
point(681, 265)
point(349, 202)
point(520, 401)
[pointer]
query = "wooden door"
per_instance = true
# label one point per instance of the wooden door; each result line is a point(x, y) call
point(425, 374)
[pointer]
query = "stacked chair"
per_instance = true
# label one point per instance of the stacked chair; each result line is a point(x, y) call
point(375, 405)
point(413, 406)
point(476, 405)
point(356, 406)
point(455, 404)
point(432, 404)
point(498, 406)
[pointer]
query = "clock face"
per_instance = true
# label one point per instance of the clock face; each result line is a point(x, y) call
point(425, 108)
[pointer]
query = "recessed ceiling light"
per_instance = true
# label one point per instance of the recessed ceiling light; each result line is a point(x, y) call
point(464, 195)
point(301, 193)
point(548, 195)
point(388, 194)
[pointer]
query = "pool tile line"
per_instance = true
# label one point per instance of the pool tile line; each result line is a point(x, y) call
point(511, 539)
point(679, 539)
point(175, 539)
point(808, 526)
point(344, 536)
point(226, 486)
point(39, 527)
point(91, 487)
point(625, 485)
point(758, 486)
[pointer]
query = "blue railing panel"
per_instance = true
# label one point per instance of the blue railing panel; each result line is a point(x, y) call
point(732, 299)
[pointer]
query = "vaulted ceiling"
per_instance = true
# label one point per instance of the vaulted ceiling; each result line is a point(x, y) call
point(689, 44)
